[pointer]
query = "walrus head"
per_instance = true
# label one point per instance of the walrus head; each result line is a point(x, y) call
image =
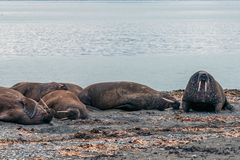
point(47, 112)
point(72, 113)
point(168, 103)
point(200, 88)
point(35, 113)
point(203, 81)
point(161, 103)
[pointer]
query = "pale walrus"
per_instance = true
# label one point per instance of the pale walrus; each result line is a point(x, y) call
point(14, 107)
point(204, 93)
point(37, 90)
point(65, 104)
point(126, 96)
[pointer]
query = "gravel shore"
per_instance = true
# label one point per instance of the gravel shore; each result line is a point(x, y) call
point(118, 134)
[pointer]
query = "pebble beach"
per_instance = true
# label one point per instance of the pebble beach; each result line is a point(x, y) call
point(116, 134)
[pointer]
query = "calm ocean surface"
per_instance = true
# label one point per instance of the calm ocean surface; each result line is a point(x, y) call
point(160, 44)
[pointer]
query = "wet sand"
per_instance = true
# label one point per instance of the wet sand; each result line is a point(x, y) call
point(117, 134)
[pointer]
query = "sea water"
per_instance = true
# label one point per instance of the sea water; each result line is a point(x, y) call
point(157, 43)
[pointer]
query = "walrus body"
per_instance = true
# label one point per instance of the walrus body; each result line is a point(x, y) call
point(72, 88)
point(37, 90)
point(65, 105)
point(126, 96)
point(204, 93)
point(14, 107)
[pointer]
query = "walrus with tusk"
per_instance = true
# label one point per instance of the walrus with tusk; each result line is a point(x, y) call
point(16, 108)
point(65, 105)
point(128, 96)
point(204, 93)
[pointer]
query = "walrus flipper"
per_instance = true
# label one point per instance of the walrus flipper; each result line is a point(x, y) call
point(91, 108)
point(185, 106)
point(5, 117)
point(228, 106)
point(127, 107)
point(30, 110)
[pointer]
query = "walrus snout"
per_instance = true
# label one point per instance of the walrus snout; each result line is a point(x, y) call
point(47, 118)
point(42, 115)
point(73, 114)
point(45, 107)
point(47, 112)
point(171, 104)
point(77, 113)
point(70, 114)
point(203, 80)
point(84, 114)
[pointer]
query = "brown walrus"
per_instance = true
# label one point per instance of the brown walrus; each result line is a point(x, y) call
point(14, 107)
point(37, 90)
point(126, 96)
point(65, 105)
point(72, 87)
point(204, 93)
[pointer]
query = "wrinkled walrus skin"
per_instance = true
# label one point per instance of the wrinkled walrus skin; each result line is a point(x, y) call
point(65, 105)
point(16, 108)
point(204, 93)
point(126, 96)
point(37, 90)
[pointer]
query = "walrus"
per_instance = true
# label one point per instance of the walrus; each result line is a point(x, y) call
point(204, 93)
point(37, 90)
point(65, 105)
point(16, 108)
point(127, 96)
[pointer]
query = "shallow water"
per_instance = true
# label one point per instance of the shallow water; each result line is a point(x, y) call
point(160, 44)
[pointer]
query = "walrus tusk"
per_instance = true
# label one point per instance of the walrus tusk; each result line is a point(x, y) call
point(206, 83)
point(62, 111)
point(199, 85)
point(43, 103)
point(168, 100)
point(62, 119)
